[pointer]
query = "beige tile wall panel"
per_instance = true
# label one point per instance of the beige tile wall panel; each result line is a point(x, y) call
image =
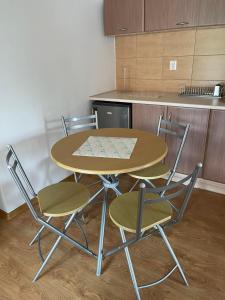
point(152, 52)
point(126, 85)
point(184, 68)
point(126, 46)
point(174, 86)
point(149, 45)
point(178, 43)
point(209, 67)
point(210, 41)
point(126, 68)
point(206, 82)
point(149, 68)
point(148, 85)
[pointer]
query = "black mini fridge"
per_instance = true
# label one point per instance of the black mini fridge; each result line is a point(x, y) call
point(113, 114)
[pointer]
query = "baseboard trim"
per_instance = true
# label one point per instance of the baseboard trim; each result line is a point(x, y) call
point(204, 184)
point(9, 216)
point(3, 215)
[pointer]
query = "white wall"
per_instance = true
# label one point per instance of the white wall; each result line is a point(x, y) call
point(53, 55)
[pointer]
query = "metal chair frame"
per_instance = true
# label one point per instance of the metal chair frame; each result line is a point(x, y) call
point(19, 176)
point(183, 187)
point(170, 128)
point(75, 123)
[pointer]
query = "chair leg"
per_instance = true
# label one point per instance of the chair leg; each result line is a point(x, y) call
point(39, 232)
point(149, 182)
point(82, 231)
point(130, 266)
point(117, 191)
point(53, 248)
point(136, 182)
point(94, 183)
point(165, 239)
point(75, 177)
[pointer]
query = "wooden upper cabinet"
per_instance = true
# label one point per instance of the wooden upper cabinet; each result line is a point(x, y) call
point(214, 165)
point(169, 14)
point(134, 16)
point(182, 13)
point(155, 15)
point(123, 16)
point(212, 12)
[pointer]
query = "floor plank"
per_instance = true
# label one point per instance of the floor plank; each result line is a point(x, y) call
point(199, 242)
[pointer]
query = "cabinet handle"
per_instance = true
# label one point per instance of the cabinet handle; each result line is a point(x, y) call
point(123, 29)
point(182, 23)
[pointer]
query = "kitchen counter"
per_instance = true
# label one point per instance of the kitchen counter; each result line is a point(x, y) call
point(158, 98)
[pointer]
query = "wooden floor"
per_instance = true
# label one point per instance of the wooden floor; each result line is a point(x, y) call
point(199, 242)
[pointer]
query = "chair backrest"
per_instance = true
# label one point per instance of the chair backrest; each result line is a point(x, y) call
point(19, 176)
point(81, 122)
point(168, 193)
point(179, 131)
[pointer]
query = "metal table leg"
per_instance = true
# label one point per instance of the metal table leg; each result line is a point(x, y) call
point(102, 233)
point(110, 182)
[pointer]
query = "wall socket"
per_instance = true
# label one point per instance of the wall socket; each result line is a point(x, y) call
point(173, 65)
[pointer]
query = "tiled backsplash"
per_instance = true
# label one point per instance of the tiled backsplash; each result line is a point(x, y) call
point(142, 61)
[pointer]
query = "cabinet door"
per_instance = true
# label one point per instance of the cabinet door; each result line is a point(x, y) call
point(194, 148)
point(182, 13)
point(146, 117)
point(123, 16)
point(155, 15)
point(214, 166)
point(212, 12)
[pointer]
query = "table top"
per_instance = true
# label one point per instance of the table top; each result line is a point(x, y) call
point(149, 150)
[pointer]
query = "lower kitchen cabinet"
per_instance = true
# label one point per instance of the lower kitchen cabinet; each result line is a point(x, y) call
point(214, 166)
point(146, 117)
point(194, 148)
point(205, 142)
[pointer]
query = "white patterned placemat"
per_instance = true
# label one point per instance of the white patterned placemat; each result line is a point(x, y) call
point(110, 147)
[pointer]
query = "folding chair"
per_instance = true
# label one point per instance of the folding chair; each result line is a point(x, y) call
point(173, 129)
point(71, 124)
point(149, 211)
point(64, 199)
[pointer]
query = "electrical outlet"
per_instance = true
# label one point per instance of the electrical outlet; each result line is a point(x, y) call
point(173, 65)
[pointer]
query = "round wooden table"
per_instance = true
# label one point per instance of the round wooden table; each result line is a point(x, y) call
point(149, 150)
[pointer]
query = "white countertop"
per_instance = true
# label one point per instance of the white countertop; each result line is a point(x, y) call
point(158, 98)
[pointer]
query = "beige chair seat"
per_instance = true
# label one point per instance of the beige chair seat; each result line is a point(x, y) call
point(62, 199)
point(157, 171)
point(123, 212)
